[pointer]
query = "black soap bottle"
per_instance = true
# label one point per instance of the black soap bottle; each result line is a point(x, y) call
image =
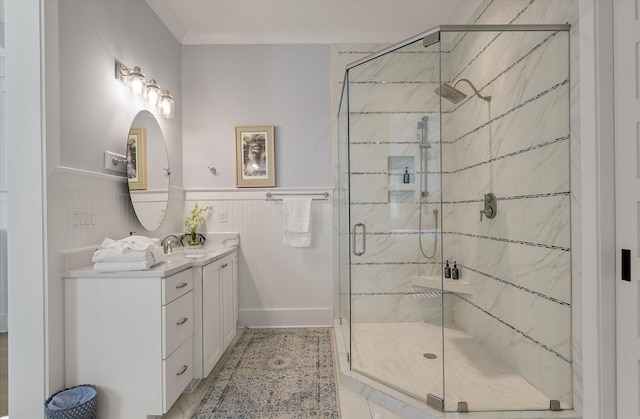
point(405, 178)
point(447, 270)
point(455, 273)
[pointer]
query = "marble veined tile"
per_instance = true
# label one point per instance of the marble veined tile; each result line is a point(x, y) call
point(537, 269)
point(388, 248)
point(550, 11)
point(541, 367)
point(393, 97)
point(540, 71)
point(545, 321)
point(391, 127)
point(472, 148)
point(369, 188)
point(502, 11)
point(381, 218)
point(383, 278)
point(535, 123)
point(391, 308)
point(541, 170)
point(375, 157)
point(547, 221)
point(399, 66)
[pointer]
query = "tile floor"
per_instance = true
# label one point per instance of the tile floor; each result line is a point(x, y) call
point(393, 352)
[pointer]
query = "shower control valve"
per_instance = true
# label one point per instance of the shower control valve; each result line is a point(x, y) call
point(490, 206)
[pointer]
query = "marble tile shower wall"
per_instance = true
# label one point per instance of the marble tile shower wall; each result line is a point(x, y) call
point(517, 146)
point(388, 96)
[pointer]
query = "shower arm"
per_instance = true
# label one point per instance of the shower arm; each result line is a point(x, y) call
point(487, 98)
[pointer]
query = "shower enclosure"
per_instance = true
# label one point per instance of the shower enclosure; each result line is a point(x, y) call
point(454, 150)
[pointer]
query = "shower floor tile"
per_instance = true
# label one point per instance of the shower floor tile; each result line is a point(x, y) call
point(394, 353)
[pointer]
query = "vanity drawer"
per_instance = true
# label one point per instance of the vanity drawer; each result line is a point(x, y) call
point(177, 372)
point(177, 323)
point(176, 285)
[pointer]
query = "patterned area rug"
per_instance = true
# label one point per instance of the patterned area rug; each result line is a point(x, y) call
point(274, 373)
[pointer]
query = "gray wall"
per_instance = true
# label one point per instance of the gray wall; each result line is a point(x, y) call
point(95, 109)
point(283, 85)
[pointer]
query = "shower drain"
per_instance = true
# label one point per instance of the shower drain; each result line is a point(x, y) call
point(430, 356)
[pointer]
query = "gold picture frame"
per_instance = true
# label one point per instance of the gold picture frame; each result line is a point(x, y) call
point(255, 162)
point(137, 159)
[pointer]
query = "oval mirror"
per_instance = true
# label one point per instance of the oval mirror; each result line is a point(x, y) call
point(147, 170)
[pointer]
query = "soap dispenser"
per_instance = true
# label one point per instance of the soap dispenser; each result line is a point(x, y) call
point(455, 273)
point(447, 270)
point(405, 178)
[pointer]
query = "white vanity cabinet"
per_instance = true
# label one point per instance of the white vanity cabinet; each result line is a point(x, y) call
point(132, 336)
point(215, 295)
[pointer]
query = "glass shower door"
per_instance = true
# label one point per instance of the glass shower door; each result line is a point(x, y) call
point(394, 212)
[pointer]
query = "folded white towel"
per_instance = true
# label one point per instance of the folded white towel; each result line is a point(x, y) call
point(131, 243)
point(115, 255)
point(122, 266)
point(129, 249)
point(297, 222)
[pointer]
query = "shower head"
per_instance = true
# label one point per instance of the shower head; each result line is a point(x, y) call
point(454, 95)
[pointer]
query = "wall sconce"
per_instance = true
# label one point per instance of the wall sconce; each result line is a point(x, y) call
point(151, 91)
point(167, 105)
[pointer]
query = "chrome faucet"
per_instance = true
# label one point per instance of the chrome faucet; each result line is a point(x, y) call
point(168, 241)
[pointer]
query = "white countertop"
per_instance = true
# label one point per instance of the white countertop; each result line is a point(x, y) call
point(175, 262)
point(217, 246)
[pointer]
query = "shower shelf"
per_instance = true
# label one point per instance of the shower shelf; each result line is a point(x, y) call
point(451, 285)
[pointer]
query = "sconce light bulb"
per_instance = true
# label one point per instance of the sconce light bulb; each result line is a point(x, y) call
point(152, 97)
point(153, 92)
point(167, 105)
point(136, 87)
point(136, 81)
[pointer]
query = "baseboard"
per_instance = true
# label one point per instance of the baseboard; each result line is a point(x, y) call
point(296, 317)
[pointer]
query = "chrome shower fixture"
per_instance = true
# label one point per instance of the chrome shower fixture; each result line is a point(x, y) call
point(454, 95)
point(423, 130)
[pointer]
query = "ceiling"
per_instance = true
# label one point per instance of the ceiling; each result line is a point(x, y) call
point(204, 22)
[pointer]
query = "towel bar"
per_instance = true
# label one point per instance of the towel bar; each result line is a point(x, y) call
point(270, 196)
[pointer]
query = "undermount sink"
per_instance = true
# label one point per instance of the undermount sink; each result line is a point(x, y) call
point(193, 255)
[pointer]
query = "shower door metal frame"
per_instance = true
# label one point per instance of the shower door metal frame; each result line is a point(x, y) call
point(459, 28)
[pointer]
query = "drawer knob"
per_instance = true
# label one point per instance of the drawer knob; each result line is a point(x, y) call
point(183, 321)
point(184, 284)
point(183, 370)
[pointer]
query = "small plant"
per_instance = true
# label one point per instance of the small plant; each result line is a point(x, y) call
point(193, 222)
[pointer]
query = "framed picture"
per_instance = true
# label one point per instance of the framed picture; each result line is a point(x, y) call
point(137, 159)
point(255, 157)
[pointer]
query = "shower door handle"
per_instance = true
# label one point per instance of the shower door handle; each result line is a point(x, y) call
point(364, 239)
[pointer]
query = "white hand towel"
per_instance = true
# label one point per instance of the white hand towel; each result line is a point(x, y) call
point(297, 222)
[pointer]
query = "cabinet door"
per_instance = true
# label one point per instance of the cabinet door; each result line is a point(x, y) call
point(235, 290)
point(211, 316)
point(229, 330)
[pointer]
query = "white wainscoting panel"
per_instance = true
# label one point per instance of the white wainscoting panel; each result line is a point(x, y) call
point(279, 286)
